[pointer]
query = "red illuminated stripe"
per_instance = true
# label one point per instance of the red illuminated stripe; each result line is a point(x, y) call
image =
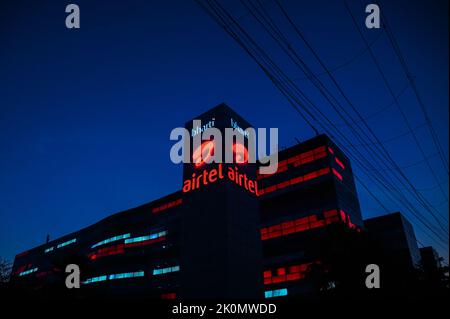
point(283, 274)
point(337, 174)
point(294, 181)
point(349, 221)
point(108, 251)
point(299, 225)
point(120, 249)
point(339, 163)
point(170, 295)
point(298, 160)
point(146, 242)
point(168, 205)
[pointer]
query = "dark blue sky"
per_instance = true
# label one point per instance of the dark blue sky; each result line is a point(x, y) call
point(85, 115)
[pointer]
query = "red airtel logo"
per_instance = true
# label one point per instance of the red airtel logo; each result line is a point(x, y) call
point(205, 152)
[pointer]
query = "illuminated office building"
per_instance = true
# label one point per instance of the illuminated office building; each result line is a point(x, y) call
point(229, 232)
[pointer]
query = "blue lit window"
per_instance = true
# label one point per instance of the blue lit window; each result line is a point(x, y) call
point(49, 249)
point(144, 238)
point(127, 275)
point(66, 243)
point(166, 270)
point(109, 240)
point(114, 276)
point(95, 279)
point(275, 293)
point(27, 272)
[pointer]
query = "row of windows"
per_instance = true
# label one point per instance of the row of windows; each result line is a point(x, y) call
point(144, 238)
point(276, 293)
point(161, 271)
point(49, 249)
point(168, 205)
point(129, 242)
point(112, 239)
point(120, 249)
point(66, 243)
point(114, 276)
point(283, 274)
point(294, 181)
point(27, 272)
point(298, 160)
point(299, 225)
point(126, 275)
point(22, 269)
point(145, 242)
point(107, 251)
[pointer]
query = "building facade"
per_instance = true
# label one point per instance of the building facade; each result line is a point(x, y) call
point(230, 232)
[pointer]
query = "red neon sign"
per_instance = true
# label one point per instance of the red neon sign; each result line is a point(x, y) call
point(240, 153)
point(213, 175)
point(203, 153)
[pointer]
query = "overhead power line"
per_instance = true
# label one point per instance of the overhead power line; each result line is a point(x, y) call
point(389, 88)
point(294, 94)
point(382, 150)
point(412, 81)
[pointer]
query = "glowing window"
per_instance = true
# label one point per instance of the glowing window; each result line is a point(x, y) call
point(144, 238)
point(294, 181)
point(66, 243)
point(339, 163)
point(298, 160)
point(49, 249)
point(27, 272)
point(112, 239)
point(160, 271)
point(114, 277)
point(337, 174)
point(167, 206)
point(275, 293)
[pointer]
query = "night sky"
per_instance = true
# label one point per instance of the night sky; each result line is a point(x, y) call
point(85, 115)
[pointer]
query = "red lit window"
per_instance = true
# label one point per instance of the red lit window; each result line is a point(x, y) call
point(295, 180)
point(343, 216)
point(298, 160)
point(170, 295)
point(107, 251)
point(283, 274)
point(168, 205)
point(281, 271)
point(299, 225)
point(331, 216)
point(145, 242)
point(337, 174)
point(339, 163)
